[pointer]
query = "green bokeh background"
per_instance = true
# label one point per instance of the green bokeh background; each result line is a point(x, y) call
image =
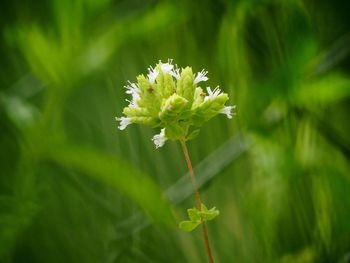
point(73, 188)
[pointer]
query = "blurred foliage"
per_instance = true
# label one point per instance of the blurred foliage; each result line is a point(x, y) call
point(74, 189)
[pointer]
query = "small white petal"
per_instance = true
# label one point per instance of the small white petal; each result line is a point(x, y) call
point(166, 67)
point(175, 73)
point(159, 139)
point(201, 76)
point(124, 122)
point(228, 111)
point(133, 101)
point(152, 75)
point(134, 90)
point(212, 94)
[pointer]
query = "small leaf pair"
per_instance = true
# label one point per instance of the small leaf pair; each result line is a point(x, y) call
point(196, 217)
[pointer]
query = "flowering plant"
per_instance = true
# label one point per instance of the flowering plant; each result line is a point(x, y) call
point(171, 99)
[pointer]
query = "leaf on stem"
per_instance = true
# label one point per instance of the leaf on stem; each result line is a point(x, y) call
point(188, 226)
point(210, 214)
point(193, 214)
point(196, 217)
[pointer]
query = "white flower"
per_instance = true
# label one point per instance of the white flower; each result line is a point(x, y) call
point(159, 139)
point(152, 75)
point(201, 76)
point(124, 122)
point(175, 73)
point(228, 111)
point(166, 67)
point(134, 90)
point(212, 94)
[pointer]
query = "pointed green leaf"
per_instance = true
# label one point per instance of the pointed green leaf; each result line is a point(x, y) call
point(204, 208)
point(194, 214)
point(188, 226)
point(209, 214)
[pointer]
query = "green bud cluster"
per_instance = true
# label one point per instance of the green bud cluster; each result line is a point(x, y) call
point(170, 98)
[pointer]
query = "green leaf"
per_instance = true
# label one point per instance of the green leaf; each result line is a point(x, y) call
point(194, 214)
point(188, 226)
point(203, 207)
point(196, 217)
point(209, 214)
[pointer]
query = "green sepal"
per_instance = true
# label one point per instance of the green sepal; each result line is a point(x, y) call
point(135, 112)
point(169, 86)
point(143, 82)
point(149, 121)
point(185, 114)
point(193, 135)
point(149, 97)
point(188, 88)
point(184, 85)
point(208, 109)
point(175, 131)
point(198, 97)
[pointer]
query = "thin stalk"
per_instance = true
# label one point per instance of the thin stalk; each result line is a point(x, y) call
point(198, 200)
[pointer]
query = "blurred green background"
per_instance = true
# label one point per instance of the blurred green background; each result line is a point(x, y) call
point(73, 188)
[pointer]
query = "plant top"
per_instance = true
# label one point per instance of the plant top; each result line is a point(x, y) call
point(170, 98)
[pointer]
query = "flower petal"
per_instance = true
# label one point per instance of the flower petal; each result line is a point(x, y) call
point(166, 67)
point(228, 111)
point(201, 76)
point(152, 75)
point(212, 94)
point(124, 122)
point(175, 73)
point(159, 139)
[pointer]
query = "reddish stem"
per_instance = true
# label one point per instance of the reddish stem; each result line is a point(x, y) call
point(198, 200)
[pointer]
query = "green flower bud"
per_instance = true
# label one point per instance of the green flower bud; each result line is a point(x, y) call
point(186, 85)
point(136, 112)
point(171, 108)
point(153, 122)
point(149, 98)
point(169, 85)
point(198, 98)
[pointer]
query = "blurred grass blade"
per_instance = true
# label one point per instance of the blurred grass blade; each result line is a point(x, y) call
point(329, 89)
point(336, 54)
point(208, 168)
point(118, 175)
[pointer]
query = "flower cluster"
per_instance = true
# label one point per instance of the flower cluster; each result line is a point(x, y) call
point(170, 98)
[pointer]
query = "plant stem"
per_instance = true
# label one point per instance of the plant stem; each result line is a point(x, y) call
point(198, 200)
